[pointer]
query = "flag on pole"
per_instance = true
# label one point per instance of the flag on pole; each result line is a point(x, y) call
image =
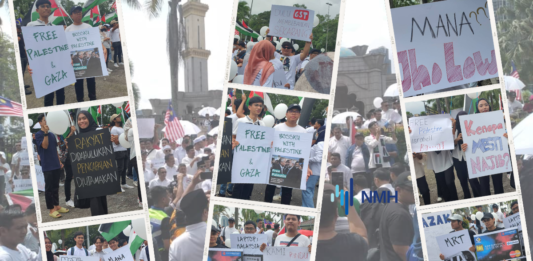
point(10, 108)
point(514, 72)
point(245, 30)
point(244, 24)
point(90, 4)
point(127, 109)
point(135, 241)
point(111, 230)
point(57, 15)
point(174, 130)
point(110, 17)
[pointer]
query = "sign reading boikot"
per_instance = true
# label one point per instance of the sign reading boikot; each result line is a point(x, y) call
point(291, 22)
point(292, 148)
point(444, 44)
point(488, 152)
point(93, 164)
point(431, 133)
point(49, 57)
point(86, 53)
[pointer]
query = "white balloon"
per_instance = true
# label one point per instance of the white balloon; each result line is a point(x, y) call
point(377, 102)
point(278, 45)
point(237, 37)
point(249, 44)
point(60, 241)
point(118, 104)
point(322, 50)
point(238, 79)
point(473, 217)
point(472, 95)
point(58, 122)
point(123, 142)
point(31, 122)
point(127, 231)
point(269, 120)
point(233, 70)
point(228, 241)
point(316, 21)
point(263, 31)
point(139, 227)
point(260, 38)
point(479, 215)
point(280, 111)
point(275, 39)
point(283, 40)
point(296, 47)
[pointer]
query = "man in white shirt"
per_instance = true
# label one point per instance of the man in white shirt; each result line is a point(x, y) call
point(499, 214)
point(162, 180)
point(378, 118)
point(389, 115)
point(337, 166)
point(512, 103)
point(120, 152)
point(369, 118)
point(291, 61)
point(190, 160)
point(339, 144)
point(153, 153)
point(227, 231)
point(179, 152)
point(315, 163)
point(190, 245)
point(114, 34)
point(170, 167)
point(291, 238)
point(207, 123)
point(198, 146)
point(98, 251)
point(78, 249)
point(382, 180)
point(4, 169)
point(13, 228)
point(372, 141)
point(260, 226)
point(359, 122)
point(15, 165)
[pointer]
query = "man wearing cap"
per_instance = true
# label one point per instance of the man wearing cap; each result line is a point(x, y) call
point(190, 245)
point(396, 229)
point(499, 215)
point(292, 116)
point(198, 148)
point(456, 221)
point(490, 223)
point(213, 240)
point(93, 64)
point(228, 230)
point(120, 152)
point(44, 9)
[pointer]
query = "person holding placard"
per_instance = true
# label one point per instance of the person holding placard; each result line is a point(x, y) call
point(373, 142)
point(78, 249)
point(44, 9)
point(499, 215)
point(13, 229)
point(456, 221)
point(442, 165)
point(291, 238)
point(483, 106)
point(76, 15)
point(51, 165)
point(459, 161)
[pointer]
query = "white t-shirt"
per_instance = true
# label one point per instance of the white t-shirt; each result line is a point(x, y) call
point(117, 131)
point(358, 161)
point(114, 35)
point(268, 83)
point(77, 251)
point(284, 127)
point(439, 162)
point(227, 231)
point(500, 217)
point(143, 255)
point(245, 120)
point(157, 182)
point(283, 240)
point(155, 153)
point(148, 173)
point(179, 153)
point(74, 27)
point(171, 171)
point(190, 170)
point(340, 146)
point(190, 245)
point(289, 66)
point(23, 254)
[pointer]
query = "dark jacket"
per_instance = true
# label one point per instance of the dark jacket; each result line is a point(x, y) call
point(366, 155)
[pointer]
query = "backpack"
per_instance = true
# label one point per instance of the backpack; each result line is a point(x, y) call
point(72, 251)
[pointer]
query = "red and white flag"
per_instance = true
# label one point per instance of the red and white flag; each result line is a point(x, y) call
point(173, 130)
point(127, 109)
point(10, 108)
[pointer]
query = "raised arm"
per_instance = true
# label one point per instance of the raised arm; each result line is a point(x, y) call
point(306, 49)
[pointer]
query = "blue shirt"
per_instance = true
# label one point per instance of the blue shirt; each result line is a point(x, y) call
point(49, 158)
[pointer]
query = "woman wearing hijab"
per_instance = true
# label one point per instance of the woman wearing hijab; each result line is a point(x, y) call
point(459, 162)
point(87, 124)
point(260, 71)
point(48, 246)
point(483, 106)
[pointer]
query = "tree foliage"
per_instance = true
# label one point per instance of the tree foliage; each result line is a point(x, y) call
point(9, 86)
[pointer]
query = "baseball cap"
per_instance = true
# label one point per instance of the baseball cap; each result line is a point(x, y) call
point(231, 220)
point(112, 118)
point(287, 44)
point(213, 228)
point(495, 206)
point(294, 106)
point(487, 216)
point(455, 217)
point(74, 8)
point(404, 180)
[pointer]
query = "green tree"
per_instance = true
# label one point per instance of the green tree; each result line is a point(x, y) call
point(134, 86)
point(402, 3)
point(423, 113)
point(243, 11)
point(8, 69)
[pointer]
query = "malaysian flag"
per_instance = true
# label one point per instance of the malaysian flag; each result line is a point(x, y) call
point(127, 109)
point(514, 72)
point(10, 108)
point(174, 130)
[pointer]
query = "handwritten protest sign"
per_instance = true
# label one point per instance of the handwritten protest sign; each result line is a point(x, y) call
point(451, 244)
point(21, 184)
point(250, 243)
point(513, 221)
point(488, 152)
point(291, 156)
point(79, 258)
point(291, 22)
point(224, 254)
point(498, 245)
point(40, 177)
point(435, 45)
point(435, 224)
point(145, 128)
point(431, 133)
point(49, 57)
point(93, 164)
point(226, 153)
point(279, 79)
point(249, 164)
point(285, 253)
point(121, 254)
point(88, 56)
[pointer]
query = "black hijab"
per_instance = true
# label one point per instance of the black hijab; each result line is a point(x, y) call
point(477, 103)
point(49, 256)
point(92, 124)
point(458, 125)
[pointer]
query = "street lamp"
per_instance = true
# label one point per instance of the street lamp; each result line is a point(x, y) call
point(327, 27)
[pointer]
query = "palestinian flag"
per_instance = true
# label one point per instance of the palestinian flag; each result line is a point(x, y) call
point(24, 198)
point(57, 17)
point(90, 4)
point(245, 30)
point(111, 230)
point(110, 17)
point(94, 112)
point(92, 16)
point(134, 242)
point(254, 93)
